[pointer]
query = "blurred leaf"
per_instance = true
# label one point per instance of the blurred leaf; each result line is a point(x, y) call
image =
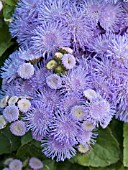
point(26, 138)
point(5, 146)
point(8, 11)
point(49, 165)
point(10, 2)
point(14, 140)
point(125, 144)
point(4, 46)
point(105, 152)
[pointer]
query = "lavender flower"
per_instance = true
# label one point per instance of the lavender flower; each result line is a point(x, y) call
point(83, 149)
point(13, 100)
point(77, 24)
point(78, 112)
point(118, 48)
point(15, 164)
point(54, 81)
point(68, 101)
point(68, 60)
point(11, 113)
point(99, 111)
point(111, 17)
point(35, 163)
point(59, 150)
point(87, 125)
point(75, 80)
point(24, 105)
point(11, 65)
point(49, 37)
point(18, 128)
point(37, 136)
point(26, 70)
point(38, 118)
point(53, 10)
point(62, 134)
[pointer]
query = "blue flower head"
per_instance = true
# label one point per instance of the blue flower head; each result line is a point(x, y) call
point(58, 150)
point(48, 37)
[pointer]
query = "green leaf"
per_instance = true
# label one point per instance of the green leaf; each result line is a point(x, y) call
point(13, 140)
point(10, 2)
point(49, 165)
point(8, 11)
point(5, 146)
point(105, 152)
point(4, 46)
point(125, 144)
point(26, 138)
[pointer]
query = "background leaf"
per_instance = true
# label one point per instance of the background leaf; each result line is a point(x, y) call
point(105, 152)
point(125, 144)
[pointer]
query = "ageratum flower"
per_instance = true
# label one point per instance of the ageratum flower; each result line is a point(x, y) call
point(78, 112)
point(69, 61)
point(38, 81)
point(79, 29)
point(15, 164)
point(24, 105)
point(92, 10)
point(54, 81)
point(38, 118)
point(64, 129)
point(18, 128)
point(53, 10)
point(118, 47)
point(100, 44)
point(68, 101)
point(58, 150)
point(35, 163)
point(24, 21)
point(100, 111)
point(111, 16)
point(48, 37)
point(11, 65)
point(49, 97)
point(76, 80)
point(11, 113)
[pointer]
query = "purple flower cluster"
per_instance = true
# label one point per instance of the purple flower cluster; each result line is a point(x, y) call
point(70, 75)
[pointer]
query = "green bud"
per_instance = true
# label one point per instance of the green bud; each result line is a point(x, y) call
point(51, 64)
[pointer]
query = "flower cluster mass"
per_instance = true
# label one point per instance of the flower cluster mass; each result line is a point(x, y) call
point(70, 74)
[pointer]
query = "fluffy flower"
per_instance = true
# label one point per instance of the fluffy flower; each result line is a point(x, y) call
point(11, 65)
point(78, 112)
point(92, 10)
point(100, 44)
point(111, 17)
point(11, 113)
point(35, 163)
point(38, 118)
point(18, 128)
point(68, 101)
point(79, 29)
point(118, 48)
point(49, 97)
point(24, 105)
point(62, 134)
point(99, 111)
point(37, 136)
point(4, 101)
point(54, 81)
point(90, 94)
point(26, 70)
point(49, 37)
point(15, 164)
point(24, 20)
point(13, 100)
point(53, 10)
point(68, 60)
point(87, 125)
point(75, 80)
point(59, 150)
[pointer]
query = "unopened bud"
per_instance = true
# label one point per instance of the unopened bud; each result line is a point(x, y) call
point(51, 64)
